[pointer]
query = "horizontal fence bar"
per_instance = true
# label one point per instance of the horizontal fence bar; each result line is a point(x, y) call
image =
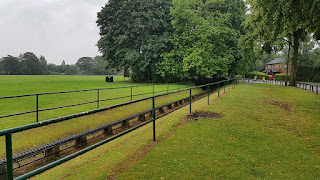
point(71, 105)
point(84, 90)
point(64, 118)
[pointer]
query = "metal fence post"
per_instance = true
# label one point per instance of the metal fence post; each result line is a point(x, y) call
point(153, 89)
point(131, 93)
point(98, 98)
point(190, 100)
point(218, 89)
point(208, 91)
point(154, 119)
point(224, 87)
point(37, 101)
point(9, 156)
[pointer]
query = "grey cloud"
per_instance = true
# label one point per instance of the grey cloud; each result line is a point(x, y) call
point(58, 29)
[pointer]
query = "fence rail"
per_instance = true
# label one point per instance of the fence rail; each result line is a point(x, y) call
point(97, 100)
point(8, 132)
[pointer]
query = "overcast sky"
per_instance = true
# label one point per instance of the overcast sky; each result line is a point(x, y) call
point(57, 29)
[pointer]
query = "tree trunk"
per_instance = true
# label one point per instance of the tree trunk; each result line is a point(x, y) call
point(294, 64)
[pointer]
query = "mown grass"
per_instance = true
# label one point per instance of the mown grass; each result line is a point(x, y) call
point(99, 163)
point(255, 139)
point(17, 85)
point(39, 136)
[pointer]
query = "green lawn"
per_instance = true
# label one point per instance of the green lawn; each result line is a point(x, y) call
point(266, 132)
point(39, 136)
point(17, 85)
point(256, 139)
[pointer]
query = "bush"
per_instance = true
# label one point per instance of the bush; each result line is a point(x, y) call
point(281, 77)
point(308, 74)
point(259, 75)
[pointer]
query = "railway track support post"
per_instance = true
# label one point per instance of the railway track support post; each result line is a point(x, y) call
point(108, 131)
point(52, 154)
point(81, 142)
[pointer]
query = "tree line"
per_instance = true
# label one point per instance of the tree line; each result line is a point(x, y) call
point(30, 64)
point(176, 39)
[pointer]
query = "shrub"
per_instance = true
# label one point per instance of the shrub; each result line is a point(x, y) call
point(281, 77)
point(259, 75)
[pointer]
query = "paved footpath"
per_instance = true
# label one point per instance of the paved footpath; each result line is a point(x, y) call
point(310, 86)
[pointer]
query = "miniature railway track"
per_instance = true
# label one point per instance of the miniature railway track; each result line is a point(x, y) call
point(34, 158)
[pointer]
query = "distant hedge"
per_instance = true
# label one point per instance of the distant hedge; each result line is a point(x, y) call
point(281, 77)
point(259, 75)
point(308, 74)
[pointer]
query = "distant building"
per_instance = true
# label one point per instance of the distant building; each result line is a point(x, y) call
point(276, 66)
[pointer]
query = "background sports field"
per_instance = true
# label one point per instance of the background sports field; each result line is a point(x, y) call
point(17, 85)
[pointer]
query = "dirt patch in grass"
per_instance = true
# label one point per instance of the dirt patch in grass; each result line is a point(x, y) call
point(204, 114)
point(282, 105)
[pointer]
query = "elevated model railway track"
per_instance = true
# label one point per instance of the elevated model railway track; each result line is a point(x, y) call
point(32, 159)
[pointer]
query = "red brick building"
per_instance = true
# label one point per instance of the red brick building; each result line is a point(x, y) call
point(276, 66)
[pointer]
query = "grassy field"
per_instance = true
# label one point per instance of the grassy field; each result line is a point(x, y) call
point(17, 85)
point(36, 137)
point(266, 132)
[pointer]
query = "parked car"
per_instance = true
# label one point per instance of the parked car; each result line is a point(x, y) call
point(271, 77)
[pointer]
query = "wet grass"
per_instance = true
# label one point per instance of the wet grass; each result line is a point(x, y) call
point(255, 139)
point(17, 85)
point(121, 153)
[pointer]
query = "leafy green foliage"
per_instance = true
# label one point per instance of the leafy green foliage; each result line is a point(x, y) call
point(273, 22)
point(259, 75)
point(280, 77)
point(10, 65)
point(133, 35)
point(204, 39)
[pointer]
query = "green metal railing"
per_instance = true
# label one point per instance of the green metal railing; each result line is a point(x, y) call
point(98, 99)
point(8, 132)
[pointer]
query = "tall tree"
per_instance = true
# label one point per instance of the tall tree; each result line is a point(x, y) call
point(10, 65)
point(30, 64)
point(85, 64)
point(204, 39)
point(134, 33)
point(275, 20)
